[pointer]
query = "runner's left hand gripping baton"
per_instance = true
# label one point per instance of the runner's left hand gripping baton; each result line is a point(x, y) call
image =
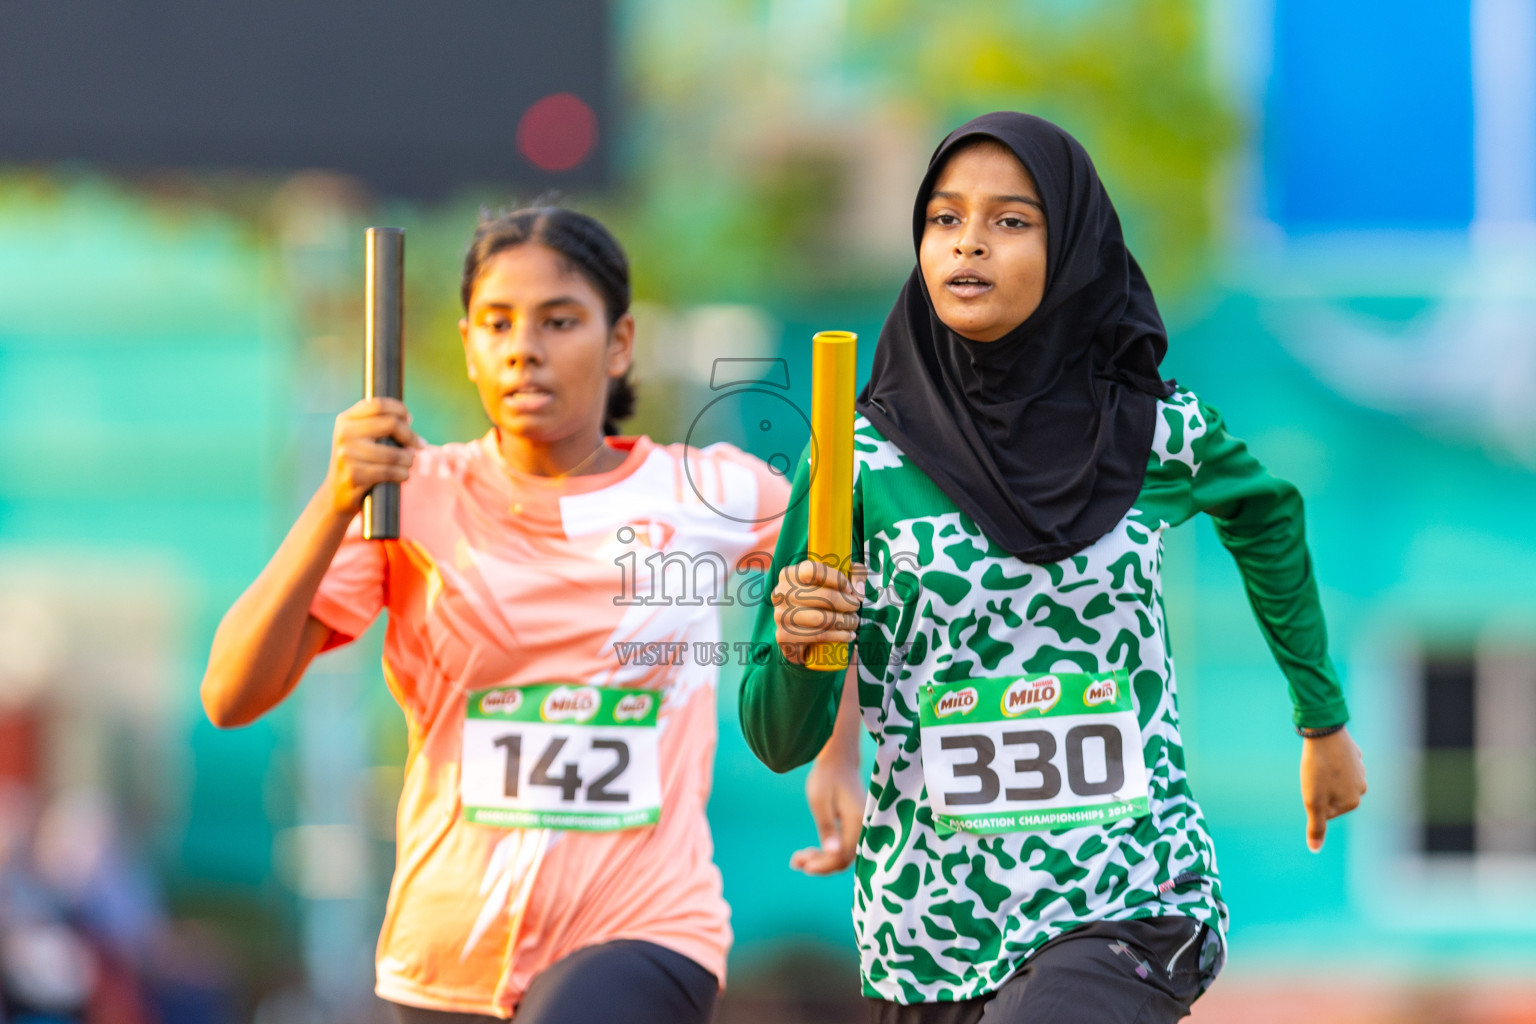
point(830, 527)
point(384, 361)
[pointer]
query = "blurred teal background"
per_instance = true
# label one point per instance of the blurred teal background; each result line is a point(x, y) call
point(1337, 207)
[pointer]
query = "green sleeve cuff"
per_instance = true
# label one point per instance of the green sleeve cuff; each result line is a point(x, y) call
point(1321, 716)
point(787, 711)
point(804, 675)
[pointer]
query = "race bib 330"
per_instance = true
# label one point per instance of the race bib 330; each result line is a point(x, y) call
point(1033, 752)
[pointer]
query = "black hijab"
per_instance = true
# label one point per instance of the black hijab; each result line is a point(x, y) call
point(1042, 436)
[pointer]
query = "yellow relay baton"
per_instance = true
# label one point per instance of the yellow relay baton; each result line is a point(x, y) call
point(830, 534)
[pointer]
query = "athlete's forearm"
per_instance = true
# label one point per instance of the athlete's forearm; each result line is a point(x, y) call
point(843, 747)
point(266, 640)
point(1276, 567)
point(1261, 521)
point(787, 711)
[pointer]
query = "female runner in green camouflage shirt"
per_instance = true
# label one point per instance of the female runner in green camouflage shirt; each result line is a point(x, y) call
point(1030, 848)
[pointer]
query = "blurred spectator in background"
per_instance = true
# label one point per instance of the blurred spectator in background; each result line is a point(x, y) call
point(83, 937)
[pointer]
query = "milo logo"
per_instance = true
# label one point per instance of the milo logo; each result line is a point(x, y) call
point(501, 702)
point(634, 707)
point(957, 702)
point(571, 704)
point(1105, 691)
point(1031, 695)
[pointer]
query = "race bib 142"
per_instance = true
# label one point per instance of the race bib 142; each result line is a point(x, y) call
point(1032, 752)
point(563, 756)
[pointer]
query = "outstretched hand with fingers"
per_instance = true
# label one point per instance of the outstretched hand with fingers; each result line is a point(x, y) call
point(834, 789)
point(1332, 781)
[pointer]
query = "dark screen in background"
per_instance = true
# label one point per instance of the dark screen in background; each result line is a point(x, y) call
point(415, 96)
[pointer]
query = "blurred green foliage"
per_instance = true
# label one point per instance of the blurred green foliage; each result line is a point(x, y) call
point(753, 132)
point(1129, 78)
point(741, 119)
point(751, 124)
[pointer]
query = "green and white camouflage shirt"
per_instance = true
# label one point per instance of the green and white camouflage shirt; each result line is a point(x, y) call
point(943, 915)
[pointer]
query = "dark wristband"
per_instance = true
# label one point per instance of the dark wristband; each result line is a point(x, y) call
point(1316, 734)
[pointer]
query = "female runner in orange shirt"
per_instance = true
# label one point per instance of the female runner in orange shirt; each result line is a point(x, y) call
point(553, 857)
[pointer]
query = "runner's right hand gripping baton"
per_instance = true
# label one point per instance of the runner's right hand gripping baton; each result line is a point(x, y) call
point(384, 361)
point(830, 534)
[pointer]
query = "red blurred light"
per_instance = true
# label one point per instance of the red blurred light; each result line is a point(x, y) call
point(557, 133)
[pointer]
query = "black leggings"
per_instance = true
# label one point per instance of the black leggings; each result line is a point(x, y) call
point(621, 982)
point(1145, 971)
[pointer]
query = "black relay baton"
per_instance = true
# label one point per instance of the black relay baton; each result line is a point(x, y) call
point(384, 362)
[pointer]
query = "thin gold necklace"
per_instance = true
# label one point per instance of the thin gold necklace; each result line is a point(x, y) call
point(517, 507)
point(507, 467)
point(583, 463)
